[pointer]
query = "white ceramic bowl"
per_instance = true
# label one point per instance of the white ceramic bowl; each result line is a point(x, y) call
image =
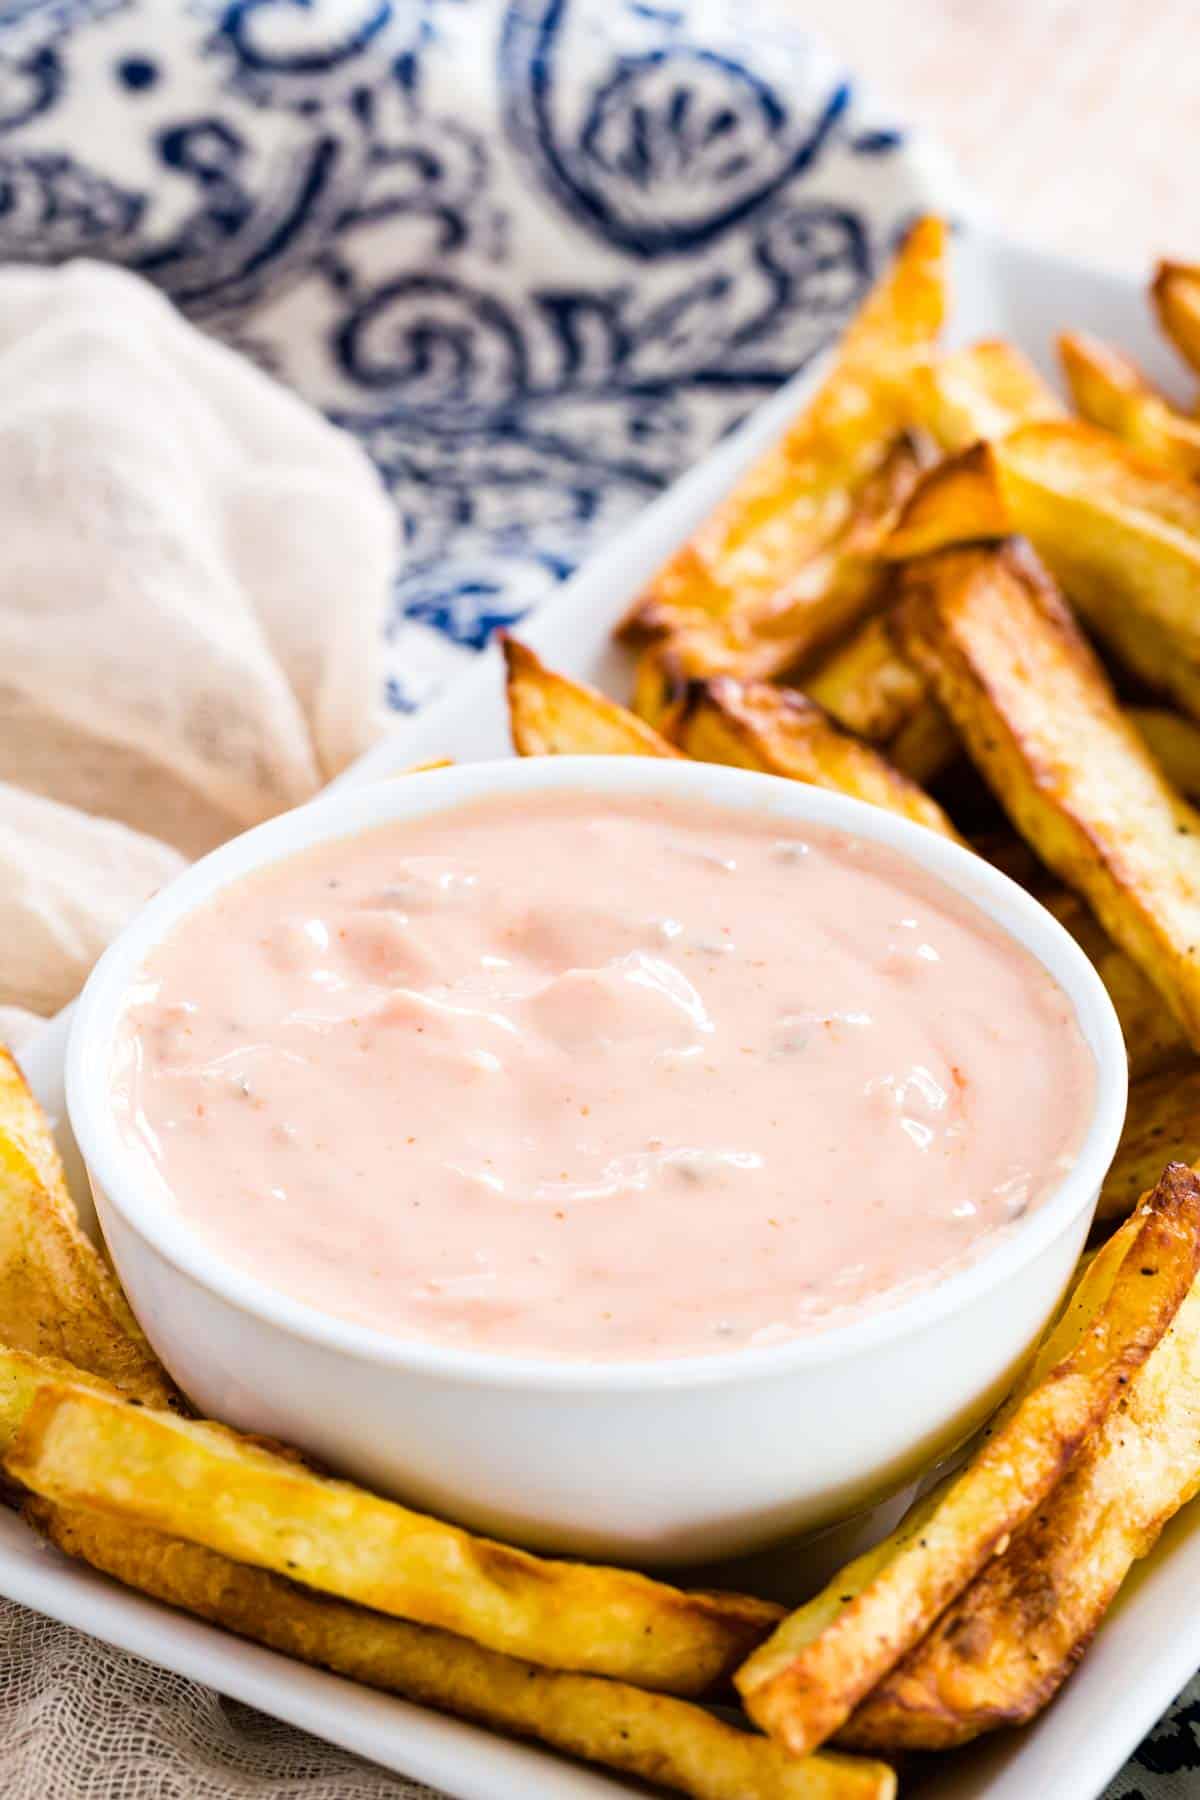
point(667, 1461)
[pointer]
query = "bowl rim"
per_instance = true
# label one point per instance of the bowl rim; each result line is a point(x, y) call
point(350, 810)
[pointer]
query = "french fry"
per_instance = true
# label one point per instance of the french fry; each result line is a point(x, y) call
point(650, 1736)
point(1174, 743)
point(1005, 1646)
point(962, 501)
point(982, 391)
point(1176, 295)
point(828, 594)
point(201, 1482)
point(925, 744)
point(763, 638)
point(1118, 532)
point(806, 1680)
point(1039, 719)
point(659, 687)
point(752, 725)
point(866, 685)
point(1161, 1125)
point(57, 1295)
point(796, 498)
point(1110, 390)
point(551, 715)
point(1154, 1040)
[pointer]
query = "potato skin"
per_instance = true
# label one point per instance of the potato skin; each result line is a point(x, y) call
point(778, 731)
point(1007, 1644)
point(552, 715)
point(1036, 713)
point(830, 1656)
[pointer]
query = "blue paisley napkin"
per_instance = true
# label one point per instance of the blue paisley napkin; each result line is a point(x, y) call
point(537, 255)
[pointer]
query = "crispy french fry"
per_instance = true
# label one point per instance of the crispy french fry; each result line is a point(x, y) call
point(1039, 719)
point(982, 391)
point(925, 745)
point(551, 715)
point(1120, 533)
point(203, 1483)
point(759, 639)
point(57, 1295)
point(1161, 1125)
point(1006, 1645)
point(866, 685)
point(752, 725)
point(1174, 743)
point(962, 501)
point(1154, 1039)
point(1095, 1277)
point(828, 594)
point(1176, 295)
point(659, 687)
point(1110, 390)
point(651, 1736)
point(798, 496)
point(806, 1680)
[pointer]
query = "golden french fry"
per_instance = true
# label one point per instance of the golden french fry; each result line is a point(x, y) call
point(1176, 295)
point(806, 1680)
point(659, 686)
point(762, 638)
point(1174, 742)
point(752, 725)
point(57, 1295)
point(829, 593)
point(1039, 719)
point(797, 497)
point(1110, 390)
point(1119, 533)
point(651, 1736)
point(1162, 1125)
point(204, 1483)
point(962, 501)
point(866, 685)
point(1154, 1039)
point(551, 715)
point(982, 391)
point(1005, 1646)
point(925, 745)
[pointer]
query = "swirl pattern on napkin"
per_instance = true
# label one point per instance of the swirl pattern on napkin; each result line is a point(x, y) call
point(536, 255)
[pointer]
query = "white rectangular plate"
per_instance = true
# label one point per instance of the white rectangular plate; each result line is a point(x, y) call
point(1150, 1644)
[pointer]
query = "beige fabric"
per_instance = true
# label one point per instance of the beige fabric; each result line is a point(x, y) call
point(81, 1721)
point(68, 883)
point(175, 525)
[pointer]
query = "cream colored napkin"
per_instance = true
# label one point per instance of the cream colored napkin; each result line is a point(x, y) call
point(68, 882)
point(192, 583)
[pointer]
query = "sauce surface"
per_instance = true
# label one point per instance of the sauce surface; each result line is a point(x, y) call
point(583, 1077)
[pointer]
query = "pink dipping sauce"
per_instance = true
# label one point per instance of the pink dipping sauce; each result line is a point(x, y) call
point(586, 1078)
